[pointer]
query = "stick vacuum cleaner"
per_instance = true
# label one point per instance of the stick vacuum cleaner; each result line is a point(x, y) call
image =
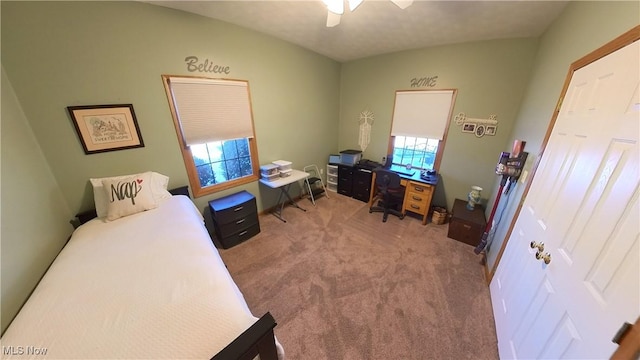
point(509, 167)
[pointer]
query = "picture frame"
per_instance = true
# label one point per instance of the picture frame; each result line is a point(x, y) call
point(480, 129)
point(491, 130)
point(103, 128)
point(469, 127)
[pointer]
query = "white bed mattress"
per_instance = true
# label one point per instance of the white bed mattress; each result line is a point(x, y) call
point(150, 285)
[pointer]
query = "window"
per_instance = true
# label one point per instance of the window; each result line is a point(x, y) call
point(215, 130)
point(220, 161)
point(419, 152)
point(419, 127)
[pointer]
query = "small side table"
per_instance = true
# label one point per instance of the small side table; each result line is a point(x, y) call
point(283, 184)
point(466, 225)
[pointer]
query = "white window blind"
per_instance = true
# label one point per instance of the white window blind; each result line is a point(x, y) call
point(212, 110)
point(422, 113)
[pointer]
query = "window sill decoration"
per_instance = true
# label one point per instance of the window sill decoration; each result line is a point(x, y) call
point(479, 127)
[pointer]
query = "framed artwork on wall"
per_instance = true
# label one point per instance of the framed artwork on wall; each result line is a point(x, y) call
point(104, 128)
point(469, 127)
point(491, 130)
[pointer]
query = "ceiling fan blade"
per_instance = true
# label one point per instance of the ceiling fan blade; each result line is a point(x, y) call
point(353, 4)
point(402, 4)
point(335, 6)
point(333, 19)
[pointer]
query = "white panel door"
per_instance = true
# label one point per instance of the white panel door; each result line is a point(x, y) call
point(583, 205)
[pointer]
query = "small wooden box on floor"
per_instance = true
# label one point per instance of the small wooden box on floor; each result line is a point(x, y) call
point(466, 225)
point(232, 219)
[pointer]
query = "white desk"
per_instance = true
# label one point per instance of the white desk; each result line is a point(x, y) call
point(283, 184)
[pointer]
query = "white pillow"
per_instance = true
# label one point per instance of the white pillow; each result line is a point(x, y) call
point(129, 195)
point(159, 191)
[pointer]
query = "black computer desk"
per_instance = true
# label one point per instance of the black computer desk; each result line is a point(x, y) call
point(418, 192)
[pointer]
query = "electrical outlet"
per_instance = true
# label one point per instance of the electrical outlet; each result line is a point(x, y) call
point(321, 171)
point(384, 159)
point(523, 176)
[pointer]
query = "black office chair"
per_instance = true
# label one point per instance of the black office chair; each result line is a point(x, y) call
point(388, 185)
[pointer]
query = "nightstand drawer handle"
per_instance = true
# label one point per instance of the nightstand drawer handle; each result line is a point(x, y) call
point(415, 206)
point(238, 208)
point(467, 226)
point(244, 232)
point(417, 188)
point(240, 221)
point(417, 198)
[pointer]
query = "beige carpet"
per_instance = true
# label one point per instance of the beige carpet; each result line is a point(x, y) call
point(343, 285)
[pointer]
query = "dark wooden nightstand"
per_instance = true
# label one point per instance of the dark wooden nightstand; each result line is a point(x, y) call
point(467, 225)
point(232, 219)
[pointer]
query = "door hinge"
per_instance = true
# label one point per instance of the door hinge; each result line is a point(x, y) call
point(622, 332)
point(559, 104)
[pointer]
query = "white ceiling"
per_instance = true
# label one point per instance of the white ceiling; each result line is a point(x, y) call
point(378, 26)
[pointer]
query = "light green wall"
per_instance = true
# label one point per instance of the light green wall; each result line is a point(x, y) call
point(582, 28)
point(305, 106)
point(490, 77)
point(83, 53)
point(58, 54)
point(35, 216)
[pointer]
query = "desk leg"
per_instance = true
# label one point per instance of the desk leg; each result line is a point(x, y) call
point(372, 192)
point(284, 190)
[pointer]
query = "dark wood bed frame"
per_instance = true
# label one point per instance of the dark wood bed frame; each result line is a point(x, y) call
point(258, 339)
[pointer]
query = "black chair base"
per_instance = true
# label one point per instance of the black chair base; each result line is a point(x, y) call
point(390, 190)
point(386, 211)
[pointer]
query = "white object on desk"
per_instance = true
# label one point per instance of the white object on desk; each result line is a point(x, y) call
point(283, 184)
point(283, 165)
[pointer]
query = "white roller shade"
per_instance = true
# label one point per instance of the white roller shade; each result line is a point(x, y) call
point(422, 113)
point(212, 110)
